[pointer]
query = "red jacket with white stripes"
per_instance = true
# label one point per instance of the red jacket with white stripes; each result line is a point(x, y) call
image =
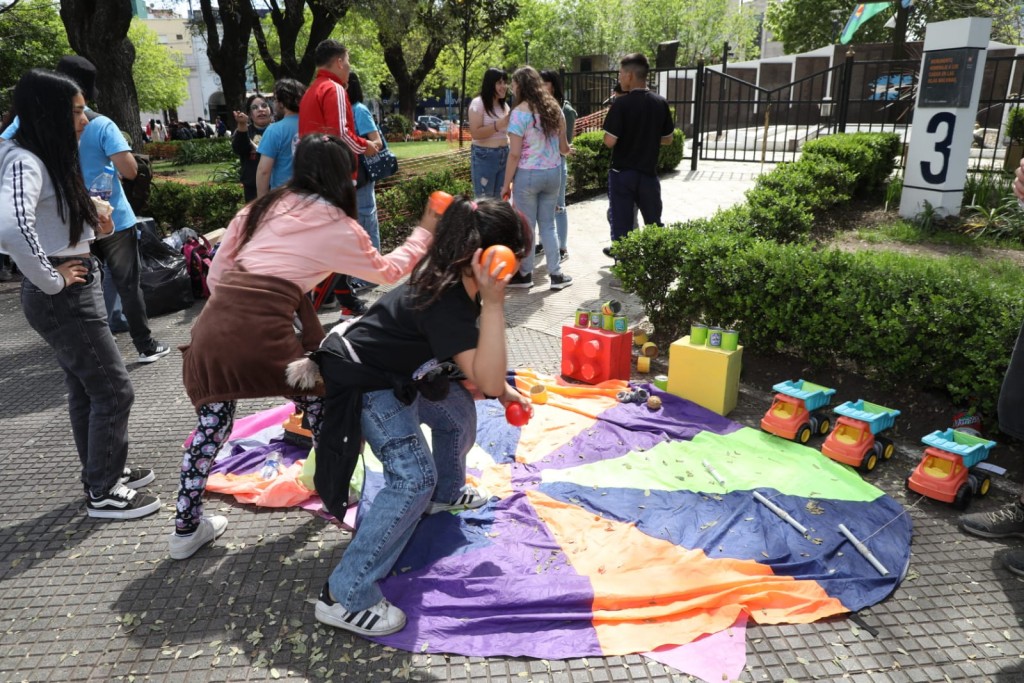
point(325, 108)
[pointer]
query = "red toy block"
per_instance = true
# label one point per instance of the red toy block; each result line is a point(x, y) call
point(593, 356)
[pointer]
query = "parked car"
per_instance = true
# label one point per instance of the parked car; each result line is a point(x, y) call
point(430, 122)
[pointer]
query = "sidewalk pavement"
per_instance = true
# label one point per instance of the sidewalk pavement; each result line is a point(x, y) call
point(85, 600)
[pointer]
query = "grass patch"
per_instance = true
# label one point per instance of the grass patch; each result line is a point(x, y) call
point(410, 150)
point(906, 232)
point(199, 173)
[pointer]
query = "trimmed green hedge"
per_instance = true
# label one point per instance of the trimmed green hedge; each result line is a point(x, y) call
point(185, 152)
point(399, 207)
point(202, 207)
point(590, 161)
point(871, 156)
point(900, 319)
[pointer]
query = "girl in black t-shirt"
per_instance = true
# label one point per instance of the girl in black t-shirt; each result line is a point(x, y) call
point(451, 310)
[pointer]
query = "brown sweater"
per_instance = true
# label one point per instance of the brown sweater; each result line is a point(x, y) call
point(244, 339)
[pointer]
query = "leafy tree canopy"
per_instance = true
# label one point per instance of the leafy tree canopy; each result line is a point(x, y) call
point(32, 35)
point(161, 79)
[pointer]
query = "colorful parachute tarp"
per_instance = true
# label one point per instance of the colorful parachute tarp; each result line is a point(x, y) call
point(606, 535)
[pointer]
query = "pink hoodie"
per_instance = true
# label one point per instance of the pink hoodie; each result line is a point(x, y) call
point(304, 239)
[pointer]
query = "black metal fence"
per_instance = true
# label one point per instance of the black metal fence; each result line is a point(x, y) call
point(765, 114)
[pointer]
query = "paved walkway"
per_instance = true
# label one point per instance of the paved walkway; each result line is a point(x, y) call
point(90, 601)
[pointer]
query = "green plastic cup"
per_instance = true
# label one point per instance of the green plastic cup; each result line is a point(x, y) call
point(730, 340)
point(698, 334)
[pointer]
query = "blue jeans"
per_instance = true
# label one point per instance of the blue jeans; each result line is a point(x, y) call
point(100, 395)
point(415, 473)
point(535, 194)
point(626, 189)
point(366, 200)
point(112, 302)
point(487, 166)
point(120, 253)
point(561, 217)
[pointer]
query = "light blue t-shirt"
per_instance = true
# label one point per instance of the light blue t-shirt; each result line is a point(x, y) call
point(364, 120)
point(100, 140)
point(278, 143)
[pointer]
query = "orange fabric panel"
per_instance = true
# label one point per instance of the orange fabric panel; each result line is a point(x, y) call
point(649, 590)
point(284, 490)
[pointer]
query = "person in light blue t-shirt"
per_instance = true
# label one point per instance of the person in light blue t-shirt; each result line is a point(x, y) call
point(102, 144)
point(280, 138)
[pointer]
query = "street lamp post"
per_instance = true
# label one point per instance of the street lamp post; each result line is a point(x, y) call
point(527, 34)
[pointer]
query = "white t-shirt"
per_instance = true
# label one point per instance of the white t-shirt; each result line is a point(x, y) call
point(477, 106)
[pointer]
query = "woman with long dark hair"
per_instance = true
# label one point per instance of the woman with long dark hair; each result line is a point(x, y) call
point(488, 124)
point(249, 127)
point(534, 172)
point(47, 223)
point(274, 252)
point(395, 368)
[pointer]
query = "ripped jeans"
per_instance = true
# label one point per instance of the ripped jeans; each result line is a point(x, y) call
point(487, 166)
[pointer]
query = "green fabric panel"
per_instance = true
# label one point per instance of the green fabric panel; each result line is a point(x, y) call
point(746, 459)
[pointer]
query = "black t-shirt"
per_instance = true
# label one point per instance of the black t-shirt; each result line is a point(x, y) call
point(395, 336)
point(639, 119)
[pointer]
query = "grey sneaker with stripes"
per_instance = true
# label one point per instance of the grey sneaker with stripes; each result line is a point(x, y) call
point(381, 619)
point(470, 499)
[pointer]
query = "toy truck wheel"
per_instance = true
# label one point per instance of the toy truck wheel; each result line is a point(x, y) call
point(815, 421)
point(823, 425)
point(886, 449)
point(803, 435)
point(984, 484)
point(870, 461)
point(963, 497)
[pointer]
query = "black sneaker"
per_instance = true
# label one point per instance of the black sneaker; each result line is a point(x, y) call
point(136, 477)
point(563, 255)
point(351, 306)
point(1006, 521)
point(154, 352)
point(122, 502)
point(1013, 560)
point(560, 281)
point(520, 281)
point(607, 251)
point(538, 250)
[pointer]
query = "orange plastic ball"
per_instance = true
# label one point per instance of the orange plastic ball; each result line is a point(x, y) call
point(503, 255)
point(440, 201)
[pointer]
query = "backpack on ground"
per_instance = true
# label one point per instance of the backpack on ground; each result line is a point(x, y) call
point(198, 257)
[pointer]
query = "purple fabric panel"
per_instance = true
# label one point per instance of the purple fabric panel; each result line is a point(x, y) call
point(498, 599)
point(243, 461)
point(678, 419)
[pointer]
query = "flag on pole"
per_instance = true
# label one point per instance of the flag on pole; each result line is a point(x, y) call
point(861, 13)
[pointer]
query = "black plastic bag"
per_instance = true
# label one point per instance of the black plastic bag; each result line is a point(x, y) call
point(166, 284)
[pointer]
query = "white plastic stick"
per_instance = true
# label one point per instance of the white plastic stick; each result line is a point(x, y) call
point(781, 513)
point(713, 473)
point(863, 549)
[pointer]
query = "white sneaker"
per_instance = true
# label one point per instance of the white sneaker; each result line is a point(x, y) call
point(471, 498)
point(381, 619)
point(184, 547)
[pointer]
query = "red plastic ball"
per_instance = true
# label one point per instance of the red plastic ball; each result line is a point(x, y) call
point(503, 255)
point(516, 414)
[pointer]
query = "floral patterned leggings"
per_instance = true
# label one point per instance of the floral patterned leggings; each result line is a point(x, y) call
point(213, 427)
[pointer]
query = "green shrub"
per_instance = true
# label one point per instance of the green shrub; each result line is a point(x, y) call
point(780, 217)
point(590, 161)
point(202, 207)
point(203, 151)
point(899, 319)
point(400, 206)
point(397, 124)
point(871, 156)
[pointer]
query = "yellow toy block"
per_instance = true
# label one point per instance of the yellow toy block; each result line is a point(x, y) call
point(708, 376)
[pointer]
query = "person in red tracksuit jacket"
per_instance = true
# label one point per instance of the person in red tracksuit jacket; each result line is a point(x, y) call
point(325, 108)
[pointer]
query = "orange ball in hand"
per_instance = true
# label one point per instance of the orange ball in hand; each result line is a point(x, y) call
point(440, 201)
point(502, 255)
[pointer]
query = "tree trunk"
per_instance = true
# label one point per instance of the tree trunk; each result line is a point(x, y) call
point(409, 83)
point(899, 34)
point(227, 45)
point(98, 30)
point(288, 24)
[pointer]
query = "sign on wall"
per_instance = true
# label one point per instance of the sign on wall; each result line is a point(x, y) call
point(947, 104)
